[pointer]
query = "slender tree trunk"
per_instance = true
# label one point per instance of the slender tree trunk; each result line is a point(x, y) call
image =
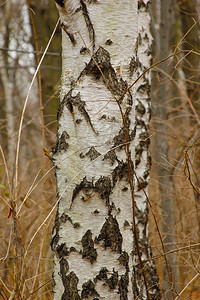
point(100, 234)
point(165, 180)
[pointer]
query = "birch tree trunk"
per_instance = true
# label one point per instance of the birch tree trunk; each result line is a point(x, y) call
point(160, 101)
point(100, 234)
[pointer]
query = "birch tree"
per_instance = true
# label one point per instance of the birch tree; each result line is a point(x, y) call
point(100, 237)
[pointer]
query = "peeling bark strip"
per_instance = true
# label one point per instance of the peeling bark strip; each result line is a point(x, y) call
point(93, 239)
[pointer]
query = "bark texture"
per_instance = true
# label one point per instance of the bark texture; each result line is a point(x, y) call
point(95, 248)
point(164, 15)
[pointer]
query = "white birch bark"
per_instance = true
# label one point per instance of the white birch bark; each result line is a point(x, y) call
point(93, 240)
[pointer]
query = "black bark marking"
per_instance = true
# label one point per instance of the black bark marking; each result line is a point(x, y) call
point(142, 4)
point(121, 171)
point(103, 187)
point(102, 58)
point(62, 250)
point(143, 145)
point(138, 154)
point(64, 267)
point(109, 42)
point(108, 118)
point(113, 280)
point(64, 218)
point(133, 66)
point(110, 235)
point(70, 283)
point(61, 144)
point(120, 139)
point(111, 156)
point(124, 260)
point(88, 23)
point(56, 237)
point(88, 290)
point(77, 225)
point(70, 35)
point(92, 153)
point(69, 101)
point(144, 139)
point(142, 184)
point(83, 50)
point(140, 108)
point(102, 275)
point(85, 184)
point(144, 88)
point(78, 121)
point(123, 287)
point(60, 2)
point(126, 223)
point(88, 251)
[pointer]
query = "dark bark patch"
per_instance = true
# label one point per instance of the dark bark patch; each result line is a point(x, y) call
point(55, 239)
point(112, 281)
point(123, 287)
point(102, 275)
point(109, 42)
point(110, 235)
point(65, 217)
point(60, 2)
point(84, 185)
point(121, 171)
point(133, 65)
point(142, 4)
point(70, 35)
point(70, 283)
point(88, 290)
point(144, 139)
point(62, 250)
point(70, 101)
point(83, 50)
point(140, 108)
point(124, 260)
point(138, 154)
point(77, 225)
point(140, 123)
point(108, 118)
point(102, 59)
point(126, 223)
point(111, 156)
point(61, 144)
point(144, 88)
point(103, 187)
point(142, 184)
point(88, 251)
point(92, 153)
